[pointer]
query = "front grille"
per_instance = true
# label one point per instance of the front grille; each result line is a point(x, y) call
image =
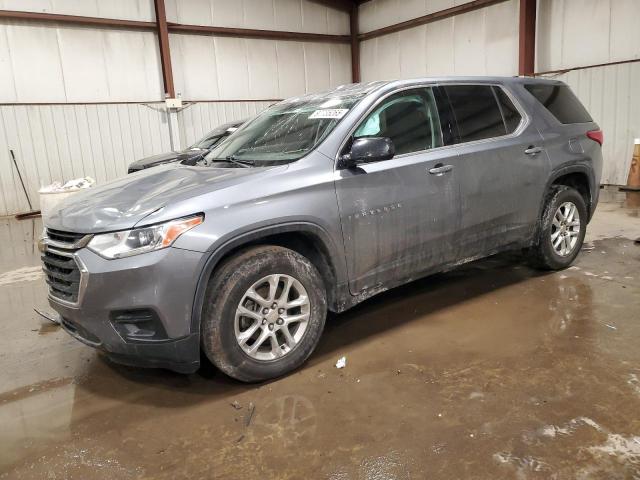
point(63, 276)
point(64, 237)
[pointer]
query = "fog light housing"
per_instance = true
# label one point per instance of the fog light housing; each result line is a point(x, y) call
point(141, 325)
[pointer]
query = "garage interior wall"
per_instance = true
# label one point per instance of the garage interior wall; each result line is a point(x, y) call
point(481, 42)
point(569, 34)
point(84, 100)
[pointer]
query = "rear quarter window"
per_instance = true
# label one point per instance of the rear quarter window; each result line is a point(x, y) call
point(561, 102)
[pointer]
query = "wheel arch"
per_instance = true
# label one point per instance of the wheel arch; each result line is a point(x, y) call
point(579, 177)
point(306, 238)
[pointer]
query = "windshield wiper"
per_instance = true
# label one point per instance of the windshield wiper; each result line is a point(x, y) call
point(235, 161)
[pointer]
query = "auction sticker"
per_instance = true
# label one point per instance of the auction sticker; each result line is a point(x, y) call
point(329, 113)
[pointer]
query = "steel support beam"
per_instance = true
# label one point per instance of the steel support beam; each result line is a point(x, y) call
point(527, 38)
point(175, 27)
point(165, 51)
point(355, 44)
point(430, 18)
point(256, 33)
point(77, 20)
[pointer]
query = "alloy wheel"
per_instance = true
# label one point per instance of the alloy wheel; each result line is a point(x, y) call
point(565, 229)
point(272, 317)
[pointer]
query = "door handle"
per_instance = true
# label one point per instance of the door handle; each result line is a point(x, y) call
point(439, 169)
point(533, 150)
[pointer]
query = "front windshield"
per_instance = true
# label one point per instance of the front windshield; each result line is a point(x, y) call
point(286, 131)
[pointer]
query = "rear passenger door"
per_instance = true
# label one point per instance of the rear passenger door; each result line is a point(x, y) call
point(503, 168)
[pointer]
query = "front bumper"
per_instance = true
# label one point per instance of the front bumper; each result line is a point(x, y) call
point(162, 283)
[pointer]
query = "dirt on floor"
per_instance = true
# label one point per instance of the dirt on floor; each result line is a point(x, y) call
point(493, 370)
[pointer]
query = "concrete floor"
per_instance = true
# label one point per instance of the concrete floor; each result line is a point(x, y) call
point(491, 371)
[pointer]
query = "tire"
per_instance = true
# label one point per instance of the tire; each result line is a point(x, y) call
point(224, 322)
point(544, 255)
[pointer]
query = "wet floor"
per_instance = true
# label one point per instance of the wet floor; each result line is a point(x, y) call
point(491, 371)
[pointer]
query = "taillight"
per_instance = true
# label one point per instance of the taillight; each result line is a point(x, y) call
point(596, 136)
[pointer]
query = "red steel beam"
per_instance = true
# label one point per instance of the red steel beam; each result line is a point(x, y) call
point(256, 33)
point(175, 27)
point(527, 38)
point(431, 17)
point(355, 44)
point(584, 67)
point(77, 20)
point(165, 51)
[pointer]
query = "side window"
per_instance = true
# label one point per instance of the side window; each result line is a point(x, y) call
point(512, 117)
point(476, 112)
point(408, 118)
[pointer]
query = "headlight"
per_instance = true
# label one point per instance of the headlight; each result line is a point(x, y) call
point(141, 240)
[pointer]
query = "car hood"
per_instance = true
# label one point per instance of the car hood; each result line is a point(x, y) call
point(163, 158)
point(123, 203)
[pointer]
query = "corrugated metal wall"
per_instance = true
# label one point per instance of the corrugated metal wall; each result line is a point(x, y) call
point(289, 15)
point(61, 142)
point(236, 68)
point(573, 33)
point(61, 64)
point(483, 42)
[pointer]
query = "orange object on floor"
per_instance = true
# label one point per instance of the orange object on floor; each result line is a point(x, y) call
point(633, 180)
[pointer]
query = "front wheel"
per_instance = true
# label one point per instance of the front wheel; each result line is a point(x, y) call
point(264, 313)
point(562, 229)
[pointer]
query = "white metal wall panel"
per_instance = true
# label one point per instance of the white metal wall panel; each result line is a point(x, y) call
point(482, 42)
point(286, 15)
point(376, 14)
point(141, 10)
point(611, 95)
point(48, 63)
point(61, 142)
point(574, 33)
point(199, 118)
point(223, 68)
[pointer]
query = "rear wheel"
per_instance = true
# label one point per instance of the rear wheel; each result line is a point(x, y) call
point(562, 229)
point(264, 313)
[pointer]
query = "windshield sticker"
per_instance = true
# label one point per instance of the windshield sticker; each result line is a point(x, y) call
point(329, 113)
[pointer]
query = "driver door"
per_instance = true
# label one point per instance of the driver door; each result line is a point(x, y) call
point(399, 216)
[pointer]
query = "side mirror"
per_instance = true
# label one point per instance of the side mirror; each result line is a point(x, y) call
point(368, 150)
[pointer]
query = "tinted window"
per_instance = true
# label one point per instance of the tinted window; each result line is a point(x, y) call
point(476, 112)
point(511, 115)
point(408, 118)
point(561, 102)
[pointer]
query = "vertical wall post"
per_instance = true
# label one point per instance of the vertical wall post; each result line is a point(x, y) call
point(527, 40)
point(165, 53)
point(355, 43)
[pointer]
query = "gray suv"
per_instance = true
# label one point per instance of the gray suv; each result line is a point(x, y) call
point(317, 204)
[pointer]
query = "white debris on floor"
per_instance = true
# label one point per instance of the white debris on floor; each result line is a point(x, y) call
point(342, 362)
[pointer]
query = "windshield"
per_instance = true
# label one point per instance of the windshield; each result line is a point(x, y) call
point(286, 131)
